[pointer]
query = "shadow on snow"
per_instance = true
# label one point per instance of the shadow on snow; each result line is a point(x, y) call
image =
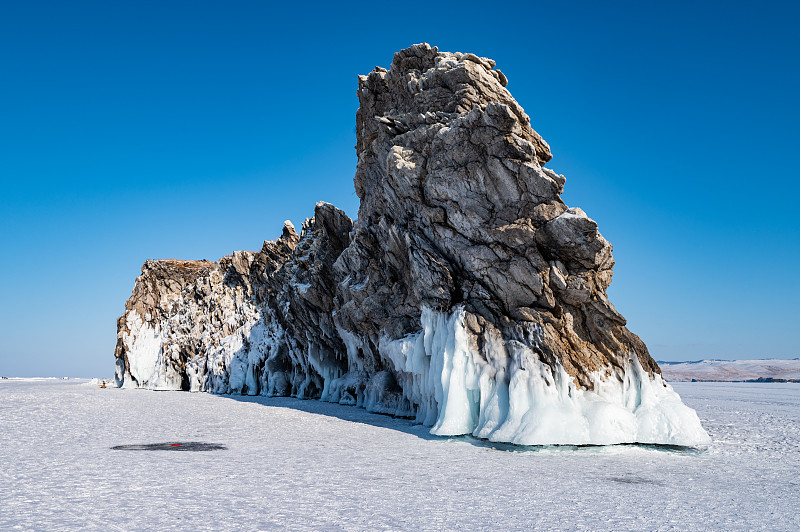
point(408, 426)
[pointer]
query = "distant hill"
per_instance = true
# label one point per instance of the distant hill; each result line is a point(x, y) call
point(767, 370)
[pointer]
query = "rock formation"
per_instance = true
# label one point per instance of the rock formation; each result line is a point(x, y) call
point(466, 295)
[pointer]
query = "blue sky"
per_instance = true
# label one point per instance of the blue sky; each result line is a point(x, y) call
point(135, 130)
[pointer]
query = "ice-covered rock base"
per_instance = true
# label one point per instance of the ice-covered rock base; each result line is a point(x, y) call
point(510, 395)
point(440, 378)
point(466, 295)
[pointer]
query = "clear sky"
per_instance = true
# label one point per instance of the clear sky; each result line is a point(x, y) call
point(136, 130)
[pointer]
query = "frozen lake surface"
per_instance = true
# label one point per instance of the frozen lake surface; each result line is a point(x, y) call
point(291, 464)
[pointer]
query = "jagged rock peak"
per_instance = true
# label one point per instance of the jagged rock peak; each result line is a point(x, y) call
point(424, 86)
point(467, 295)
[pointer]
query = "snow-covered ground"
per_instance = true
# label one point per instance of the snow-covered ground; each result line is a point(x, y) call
point(731, 370)
point(313, 465)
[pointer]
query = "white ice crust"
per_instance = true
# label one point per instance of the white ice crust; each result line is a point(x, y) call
point(504, 393)
point(146, 357)
point(509, 395)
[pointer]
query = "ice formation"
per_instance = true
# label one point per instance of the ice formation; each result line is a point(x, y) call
point(506, 394)
point(466, 296)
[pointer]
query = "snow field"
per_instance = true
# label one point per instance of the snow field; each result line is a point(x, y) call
point(293, 464)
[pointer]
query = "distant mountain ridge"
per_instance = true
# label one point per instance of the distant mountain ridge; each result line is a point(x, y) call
point(765, 370)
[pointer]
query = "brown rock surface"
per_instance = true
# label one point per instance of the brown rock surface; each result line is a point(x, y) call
point(466, 295)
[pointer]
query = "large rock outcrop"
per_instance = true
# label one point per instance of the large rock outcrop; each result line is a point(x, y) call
point(467, 295)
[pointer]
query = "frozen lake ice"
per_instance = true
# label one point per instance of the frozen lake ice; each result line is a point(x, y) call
point(311, 465)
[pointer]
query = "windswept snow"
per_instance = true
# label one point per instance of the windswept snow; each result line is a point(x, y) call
point(314, 465)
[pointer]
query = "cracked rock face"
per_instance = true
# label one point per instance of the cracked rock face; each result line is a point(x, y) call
point(467, 295)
